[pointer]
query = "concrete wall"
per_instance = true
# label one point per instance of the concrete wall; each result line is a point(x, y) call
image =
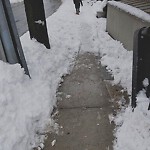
point(122, 25)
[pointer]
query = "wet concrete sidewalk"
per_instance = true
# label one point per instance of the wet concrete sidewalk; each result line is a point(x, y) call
point(84, 106)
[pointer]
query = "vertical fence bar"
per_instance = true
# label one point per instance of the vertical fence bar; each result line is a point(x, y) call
point(6, 37)
point(2, 53)
point(14, 35)
point(11, 49)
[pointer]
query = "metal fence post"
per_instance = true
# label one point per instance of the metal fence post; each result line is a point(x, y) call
point(2, 53)
point(141, 62)
point(6, 37)
point(9, 36)
point(36, 21)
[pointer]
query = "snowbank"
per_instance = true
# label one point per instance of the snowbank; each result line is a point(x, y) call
point(133, 127)
point(132, 10)
point(15, 1)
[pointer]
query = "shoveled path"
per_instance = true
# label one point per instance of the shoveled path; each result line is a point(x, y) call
point(84, 107)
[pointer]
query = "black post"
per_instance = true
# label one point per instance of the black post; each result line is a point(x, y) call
point(37, 21)
point(141, 62)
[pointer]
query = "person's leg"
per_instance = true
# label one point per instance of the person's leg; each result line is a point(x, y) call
point(77, 6)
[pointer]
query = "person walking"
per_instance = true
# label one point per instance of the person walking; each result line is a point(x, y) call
point(77, 5)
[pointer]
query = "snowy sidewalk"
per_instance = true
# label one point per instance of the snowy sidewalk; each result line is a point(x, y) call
point(84, 108)
point(26, 104)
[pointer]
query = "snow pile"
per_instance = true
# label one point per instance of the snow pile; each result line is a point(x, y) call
point(134, 127)
point(132, 10)
point(145, 82)
point(117, 59)
point(99, 5)
point(22, 106)
point(15, 1)
point(104, 3)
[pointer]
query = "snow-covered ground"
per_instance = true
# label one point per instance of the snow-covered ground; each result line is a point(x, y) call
point(132, 10)
point(26, 104)
point(15, 1)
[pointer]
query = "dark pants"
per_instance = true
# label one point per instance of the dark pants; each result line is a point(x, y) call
point(77, 5)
